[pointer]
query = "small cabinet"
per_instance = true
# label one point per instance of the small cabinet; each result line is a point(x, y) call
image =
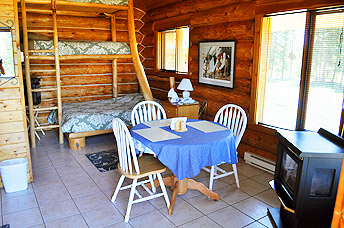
point(186, 110)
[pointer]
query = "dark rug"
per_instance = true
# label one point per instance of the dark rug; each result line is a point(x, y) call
point(5, 226)
point(104, 160)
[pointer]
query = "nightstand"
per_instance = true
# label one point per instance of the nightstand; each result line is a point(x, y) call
point(186, 110)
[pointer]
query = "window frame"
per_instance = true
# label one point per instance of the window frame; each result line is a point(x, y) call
point(305, 70)
point(158, 52)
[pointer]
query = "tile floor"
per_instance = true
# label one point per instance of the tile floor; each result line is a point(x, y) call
point(68, 191)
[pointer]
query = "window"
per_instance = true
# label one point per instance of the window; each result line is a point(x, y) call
point(301, 71)
point(6, 53)
point(173, 50)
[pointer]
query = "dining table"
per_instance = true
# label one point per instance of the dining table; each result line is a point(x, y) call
point(185, 153)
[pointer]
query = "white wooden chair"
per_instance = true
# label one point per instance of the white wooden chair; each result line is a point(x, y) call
point(233, 117)
point(135, 168)
point(147, 111)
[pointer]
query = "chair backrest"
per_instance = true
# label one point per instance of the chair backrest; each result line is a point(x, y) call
point(125, 146)
point(233, 117)
point(147, 111)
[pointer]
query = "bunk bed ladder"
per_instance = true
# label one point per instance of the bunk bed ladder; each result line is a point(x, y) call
point(34, 109)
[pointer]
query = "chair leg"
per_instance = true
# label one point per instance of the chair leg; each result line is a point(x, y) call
point(163, 189)
point(120, 182)
point(211, 177)
point(236, 175)
point(131, 198)
point(152, 183)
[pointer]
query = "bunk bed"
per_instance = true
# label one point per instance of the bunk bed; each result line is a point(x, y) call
point(76, 50)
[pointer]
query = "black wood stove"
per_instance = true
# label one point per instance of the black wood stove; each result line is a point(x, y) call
point(306, 178)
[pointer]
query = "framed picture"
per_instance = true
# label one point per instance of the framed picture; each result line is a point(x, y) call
point(217, 63)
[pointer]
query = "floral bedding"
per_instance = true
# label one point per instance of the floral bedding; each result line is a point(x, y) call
point(96, 115)
point(106, 2)
point(82, 48)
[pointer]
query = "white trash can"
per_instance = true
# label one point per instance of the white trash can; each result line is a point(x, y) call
point(14, 174)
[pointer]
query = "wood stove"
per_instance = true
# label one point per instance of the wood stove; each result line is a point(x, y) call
point(306, 178)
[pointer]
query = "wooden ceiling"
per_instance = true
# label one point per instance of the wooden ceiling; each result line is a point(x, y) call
point(148, 5)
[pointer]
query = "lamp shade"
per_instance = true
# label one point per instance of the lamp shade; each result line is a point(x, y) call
point(185, 84)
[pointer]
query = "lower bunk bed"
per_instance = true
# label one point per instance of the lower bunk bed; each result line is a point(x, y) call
point(80, 120)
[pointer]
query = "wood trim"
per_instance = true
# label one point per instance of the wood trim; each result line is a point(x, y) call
point(140, 73)
point(172, 22)
point(87, 133)
point(255, 68)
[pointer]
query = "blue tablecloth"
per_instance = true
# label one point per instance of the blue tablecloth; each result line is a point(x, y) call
point(186, 156)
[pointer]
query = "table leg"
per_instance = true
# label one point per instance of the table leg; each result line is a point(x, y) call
point(192, 184)
point(173, 200)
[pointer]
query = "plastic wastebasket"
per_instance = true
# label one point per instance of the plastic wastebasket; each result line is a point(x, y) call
point(14, 174)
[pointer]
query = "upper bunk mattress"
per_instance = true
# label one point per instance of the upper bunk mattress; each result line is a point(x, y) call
point(106, 2)
point(82, 48)
point(96, 115)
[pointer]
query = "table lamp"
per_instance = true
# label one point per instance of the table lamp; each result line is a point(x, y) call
point(185, 85)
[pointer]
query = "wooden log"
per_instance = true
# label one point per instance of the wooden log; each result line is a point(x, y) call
point(244, 50)
point(148, 52)
point(186, 7)
point(172, 22)
point(242, 30)
point(100, 23)
point(230, 13)
point(148, 40)
point(141, 76)
point(243, 147)
point(85, 35)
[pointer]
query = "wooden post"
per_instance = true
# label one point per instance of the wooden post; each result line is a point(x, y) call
point(114, 61)
point(140, 73)
point(58, 76)
point(27, 74)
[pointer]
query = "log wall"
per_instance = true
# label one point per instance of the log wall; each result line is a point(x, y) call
point(14, 141)
point(214, 20)
point(84, 80)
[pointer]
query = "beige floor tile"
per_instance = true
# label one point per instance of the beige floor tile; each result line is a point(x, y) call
point(264, 178)
point(81, 177)
point(19, 203)
point(75, 221)
point(230, 217)
point(252, 207)
point(266, 222)
point(160, 202)
point(182, 213)
point(206, 205)
point(45, 185)
point(255, 225)
point(38, 226)
point(249, 170)
point(252, 187)
point(136, 209)
point(45, 174)
point(102, 217)
point(217, 184)
point(70, 170)
point(120, 225)
point(27, 218)
point(190, 194)
point(231, 195)
point(153, 219)
point(52, 196)
point(269, 197)
point(203, 222)
point(59, 210)
point(92, 201)
point(81, 189)
point(28, 191)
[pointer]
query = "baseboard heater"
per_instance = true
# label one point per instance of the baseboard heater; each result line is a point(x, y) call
point(259, 162)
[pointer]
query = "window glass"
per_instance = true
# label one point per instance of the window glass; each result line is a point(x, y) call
point(174, 50)
point(6, 53)
point(325, 97)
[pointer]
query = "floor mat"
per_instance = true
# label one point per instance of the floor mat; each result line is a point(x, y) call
point(104, 160)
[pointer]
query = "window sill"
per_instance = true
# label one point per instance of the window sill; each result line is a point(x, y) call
point(172, 74)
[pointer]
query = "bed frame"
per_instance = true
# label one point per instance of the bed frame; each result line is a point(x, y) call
point(61, 7)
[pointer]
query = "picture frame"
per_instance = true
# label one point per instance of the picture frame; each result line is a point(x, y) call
point(217, 63)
